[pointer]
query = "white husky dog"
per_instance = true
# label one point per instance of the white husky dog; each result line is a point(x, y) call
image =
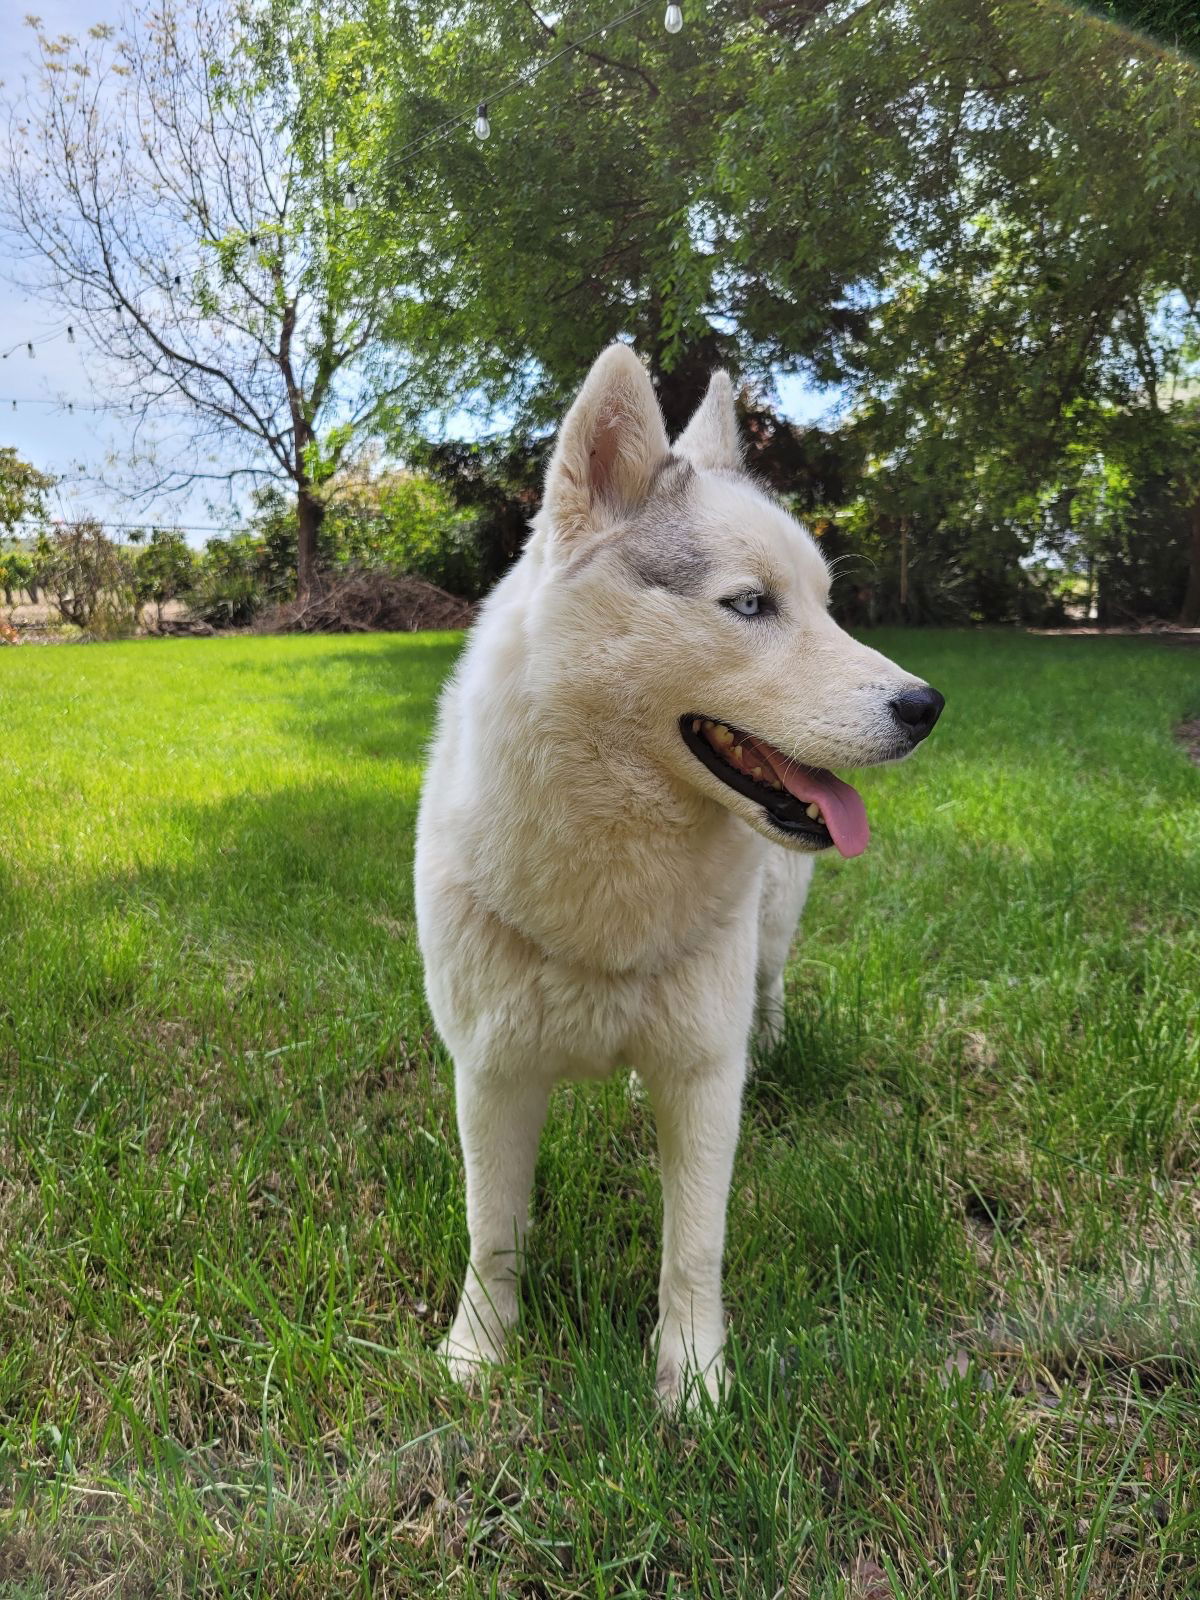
point(627, 787)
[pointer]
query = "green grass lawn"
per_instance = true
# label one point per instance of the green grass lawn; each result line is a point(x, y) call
point(962, 1265)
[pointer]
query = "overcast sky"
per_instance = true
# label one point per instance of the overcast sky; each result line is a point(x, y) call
point(63, 442)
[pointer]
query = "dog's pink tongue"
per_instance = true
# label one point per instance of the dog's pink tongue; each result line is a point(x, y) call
point(841, 804)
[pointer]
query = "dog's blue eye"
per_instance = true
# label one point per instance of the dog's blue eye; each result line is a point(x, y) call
point(746, 605)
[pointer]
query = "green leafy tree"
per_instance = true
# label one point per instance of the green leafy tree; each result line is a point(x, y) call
point(393, 518)
point(1174, 22)
point(228, 589)
point(16, 573)
point(979, 222)
point(1038, 175)
point(164, 568)
point(23, 490)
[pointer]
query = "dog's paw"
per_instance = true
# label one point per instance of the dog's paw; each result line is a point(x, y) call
point(768, 1031)
point(770, 1017)
point(466, 1367)
point(468, 1350)
point(679, 1385)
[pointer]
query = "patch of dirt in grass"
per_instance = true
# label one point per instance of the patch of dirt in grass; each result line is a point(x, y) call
point(110, 1540)
point(1160, 633)
point(1188, 735)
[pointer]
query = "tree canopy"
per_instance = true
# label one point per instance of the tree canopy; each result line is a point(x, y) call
point(976, 224)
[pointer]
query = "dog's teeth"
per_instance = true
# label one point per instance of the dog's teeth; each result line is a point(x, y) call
point(695, 724)
point(708, 727)
point(775, 783)
point(737, 752)
point(756, 772)
point(814, 812)
point(722, 735)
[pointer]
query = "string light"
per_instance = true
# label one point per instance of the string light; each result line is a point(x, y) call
point(404, 159)
point(483, 127)
point(29, 347)
point(24, 401)
point(70, 334)
point(673, 20)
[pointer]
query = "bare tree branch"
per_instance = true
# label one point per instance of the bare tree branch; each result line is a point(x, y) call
point(154, 190)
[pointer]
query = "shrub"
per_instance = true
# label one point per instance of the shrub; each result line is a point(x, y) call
point(89, 581)
point(227, 588)
point(395, 521)
point(16, 574)
point(164, 569)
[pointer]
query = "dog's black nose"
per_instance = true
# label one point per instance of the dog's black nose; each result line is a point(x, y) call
point(918, 710)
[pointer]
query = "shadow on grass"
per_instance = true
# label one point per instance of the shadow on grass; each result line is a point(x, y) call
point(376, 702)
point(817, 1057)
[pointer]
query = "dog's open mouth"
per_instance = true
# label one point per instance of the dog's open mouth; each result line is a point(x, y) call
point(807, 802)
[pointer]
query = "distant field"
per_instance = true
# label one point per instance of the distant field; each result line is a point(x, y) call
point(962, 1268)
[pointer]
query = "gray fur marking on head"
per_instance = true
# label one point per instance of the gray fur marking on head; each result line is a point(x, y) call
point(660, 548)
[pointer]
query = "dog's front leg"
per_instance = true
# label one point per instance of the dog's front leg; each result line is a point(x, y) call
point(499, 1123)
point(697, 1114)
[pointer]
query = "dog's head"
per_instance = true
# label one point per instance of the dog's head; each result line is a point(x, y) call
point(695, 596)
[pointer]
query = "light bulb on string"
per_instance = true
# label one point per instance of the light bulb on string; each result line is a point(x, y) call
point(29, 348)
point(70, 334)
point(673, 20)
point(483, 127)
point(351, 198)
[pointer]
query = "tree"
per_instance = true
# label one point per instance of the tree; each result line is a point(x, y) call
point(579, 219)
point(978, 222)
point(1175, 22)
point(163, 569)
point(180, 191)
point(966, 217)
point(87, 577)
point(1042, 175)
point(16, 573)
point(23, 490)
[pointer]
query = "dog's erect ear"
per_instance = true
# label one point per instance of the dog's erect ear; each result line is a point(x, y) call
point(711, 437)
point(608, 448)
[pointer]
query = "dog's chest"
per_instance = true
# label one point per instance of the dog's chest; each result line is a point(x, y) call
point(626, 901)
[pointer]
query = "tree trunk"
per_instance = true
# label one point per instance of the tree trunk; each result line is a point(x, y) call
point(310, 514)
point(1189, 616)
